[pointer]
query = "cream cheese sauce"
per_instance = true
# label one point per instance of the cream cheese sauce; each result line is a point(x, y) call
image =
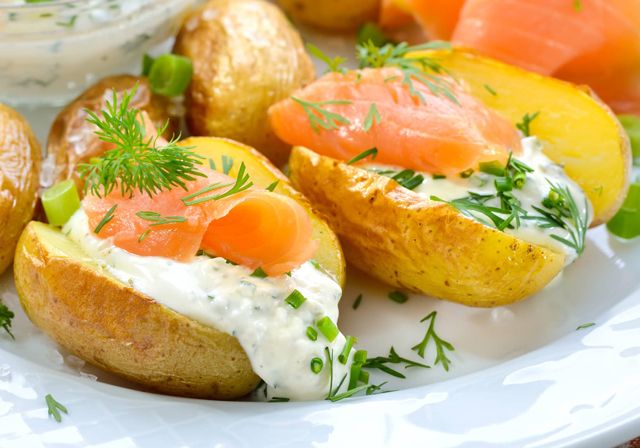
point(535, 189)
point(228, 298)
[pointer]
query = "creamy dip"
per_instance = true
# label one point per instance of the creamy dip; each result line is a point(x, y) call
point(226, 297)
point(535, 189)
point(51, 51)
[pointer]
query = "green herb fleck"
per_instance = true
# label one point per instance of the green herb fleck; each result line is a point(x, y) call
point(583, 326)
point(373, 116)
point(106, 219)
point(398, 296)
point(54, 408)
point(6, 316)
point(372, 152)
point(525, 125)
point(357, 302)
point(320, 117)
point(441, 344)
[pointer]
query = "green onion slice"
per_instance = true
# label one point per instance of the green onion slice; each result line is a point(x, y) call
point(170, 75)
point(328, 329)
point(631, 124)
point(295, 299)
point(60, 202)
point(626, 223)
point(316, 365)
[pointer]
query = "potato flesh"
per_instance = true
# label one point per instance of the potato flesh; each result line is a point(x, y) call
point(20, 156)
point(577, 130)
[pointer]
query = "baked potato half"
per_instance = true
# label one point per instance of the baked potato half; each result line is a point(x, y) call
point(332, 15)
point(246, 56)
point(111, 325)
point(72, 140)
point(20, 156)
point(417, 244)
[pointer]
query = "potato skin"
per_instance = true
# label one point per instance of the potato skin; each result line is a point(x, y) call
point(332, 15)
point(114, 327)
point(246, 56)
point(416, 244)
point(20, 158)
point(72, 140)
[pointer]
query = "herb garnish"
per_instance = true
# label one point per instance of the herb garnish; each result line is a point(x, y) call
point(241, 184)
point(227, 164)
point(279, 400)
point(441, 344)
point(259, 273)
point(583, 326)
point(424, 69)
point(105, 220)
point(525, 125)
point(157, 220)
point(490, 89)
point(320, 117)
point(136, 163)
point(54, 408)
point(373, 116)
point(408, 179)
point(6, 315)
point(333, 64)
point(577, 5)
point(357, 302)
point(372, 152)
point(398, 296)
point(381, 363)
point(272, 186)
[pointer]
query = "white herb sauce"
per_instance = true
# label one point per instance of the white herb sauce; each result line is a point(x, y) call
point(228, 298)
point(535, 189)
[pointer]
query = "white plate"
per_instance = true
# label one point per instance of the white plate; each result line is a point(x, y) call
point(522, 375)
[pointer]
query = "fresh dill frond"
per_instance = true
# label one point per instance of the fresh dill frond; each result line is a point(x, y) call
point(333, 64)
point(424, 69)
point(441, 345)
point(54, 408)
point(320, 117)
point(157, 219)
point(136, 163)
point(105, 219)
point(241, 184)
point(371, 152)
point(525, 125)
point(6, 317)
point(382, 363)
point(373, 117)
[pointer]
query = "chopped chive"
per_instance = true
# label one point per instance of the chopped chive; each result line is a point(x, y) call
point(503, 184)
point(373, 152)
point(583, 326)
point(328, 329)
point(525, 125)
point(147, 63)
point(312, 333)
point(489, 89)
point(6, 316)
point(295, 299)
point(273, 186)
point(259, 273)
point(398, 296)
point(60, 202)
point(316, 365)
point(315, 264)
point(348, 394)
point(466, 173)
point(438, 176)
point(370, 32)
point(354, 375)
point(494, 168)
point(105, 220)
point(279, 400)
point(346, 350)
point(356, 304)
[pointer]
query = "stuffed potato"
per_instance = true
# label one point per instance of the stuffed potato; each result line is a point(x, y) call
point(246, 56)
point(112, 325)
point(73, 141)
point(332, 15)
point(19, 180)
point(424, 245)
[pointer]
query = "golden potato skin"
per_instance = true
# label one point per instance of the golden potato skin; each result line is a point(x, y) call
point(111, 325)
point(20, 157)
point(246, 56)
point(332, 15)
point(577, 129)
point(416, 244)
point(73, 141)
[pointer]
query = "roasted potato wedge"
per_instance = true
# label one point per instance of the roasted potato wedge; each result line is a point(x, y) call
point(109, 324)
point(20, 156)
point(72, 139)
point(246, 56)
point(411, 242)
point(332, 15)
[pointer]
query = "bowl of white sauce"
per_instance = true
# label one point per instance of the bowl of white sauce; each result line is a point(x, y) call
point(51, 50)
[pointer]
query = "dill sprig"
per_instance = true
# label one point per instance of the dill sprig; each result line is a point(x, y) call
point(105, 219)
point(333, 64)
point(320, 117)
point(54, 408)
point(525, 125)
point(373, 117)
point(157, 219)
point(136, 163)
point(441, 344)
point(241, 184)
point(382, 363)
point(6, 317)
point(424, 69)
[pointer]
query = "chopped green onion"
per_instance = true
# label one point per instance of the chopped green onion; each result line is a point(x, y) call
point(364, 377)
point(312, 333)
point(316, 365)
point(354, 375)
point(105, 220)
point(626, 223)
point(259, 273)
point(504, 184)
point(631, 124)
point(344, 355)
point(466, 173)
point(147, 63)
point(398, 296)
point(370, 32)
point(327, 328)
point(60, 202)
point(295, 299)
point(170, 75)
point(360, 356)
point(490, 89)
point(494, 168)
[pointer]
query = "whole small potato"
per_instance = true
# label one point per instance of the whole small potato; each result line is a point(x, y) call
point(20, 156)
point(333, 15)
point(72, 140)
point(246, 56)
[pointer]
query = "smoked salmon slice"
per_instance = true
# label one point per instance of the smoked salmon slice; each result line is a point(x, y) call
point(255, 228)
point(377, 109)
